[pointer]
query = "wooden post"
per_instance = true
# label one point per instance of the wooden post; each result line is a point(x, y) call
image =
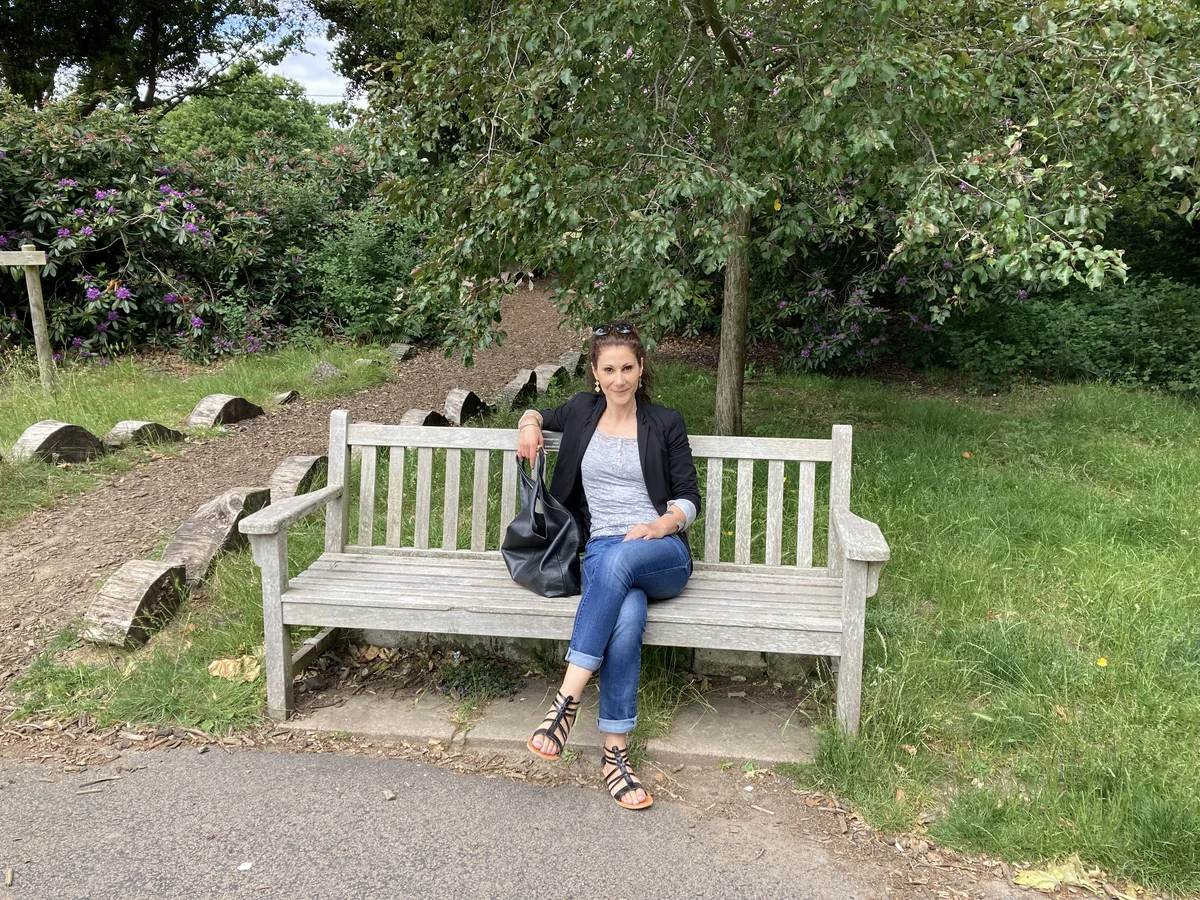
point(33, 259)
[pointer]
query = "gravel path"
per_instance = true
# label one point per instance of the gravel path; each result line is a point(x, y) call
point(50, 561)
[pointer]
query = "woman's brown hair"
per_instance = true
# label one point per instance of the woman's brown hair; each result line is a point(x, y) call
point(621, 334)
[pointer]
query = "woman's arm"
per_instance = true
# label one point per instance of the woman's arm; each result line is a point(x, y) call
point(681, 469)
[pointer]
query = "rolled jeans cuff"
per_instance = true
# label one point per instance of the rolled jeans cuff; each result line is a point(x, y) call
point(616, 726)
point(591, 663)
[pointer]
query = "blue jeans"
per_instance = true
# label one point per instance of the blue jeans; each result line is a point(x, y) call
point(619, 577)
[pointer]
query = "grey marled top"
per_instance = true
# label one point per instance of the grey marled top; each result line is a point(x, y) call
point(615, 488)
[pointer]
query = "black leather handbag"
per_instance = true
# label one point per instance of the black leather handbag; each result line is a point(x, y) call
point(541, 545)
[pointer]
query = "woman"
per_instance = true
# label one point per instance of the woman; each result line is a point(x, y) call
point(625, 471)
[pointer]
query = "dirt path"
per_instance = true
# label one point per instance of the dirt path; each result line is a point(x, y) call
point(49, 562)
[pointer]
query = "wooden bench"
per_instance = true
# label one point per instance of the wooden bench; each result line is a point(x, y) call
point(397, 580)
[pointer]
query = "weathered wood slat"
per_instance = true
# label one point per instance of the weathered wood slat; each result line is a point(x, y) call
point(839, 490)
point(805, 513)
point(309, 651)
point(424, 497)
point(508, 490)
point(450, 504)
point(366, 498)
point(433, 561)
point(783, 572)
point(411, 596)
point(506, 439)
point(479, 501)
point(774, 530)
point(745, 509)
point(395, 507)
point(22, 257)
point(503, 624)
point(712, 507)
point(736, 600)
point(337, 516)
point(464, 438)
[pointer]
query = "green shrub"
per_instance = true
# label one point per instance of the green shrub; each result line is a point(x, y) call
point(1144, 332)
point(208, 256)
point(359, 269)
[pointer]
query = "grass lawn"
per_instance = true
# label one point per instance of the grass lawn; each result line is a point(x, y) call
point(97, 398)
point(1032, 684)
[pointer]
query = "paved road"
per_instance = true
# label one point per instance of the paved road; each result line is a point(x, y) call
point(319, 826)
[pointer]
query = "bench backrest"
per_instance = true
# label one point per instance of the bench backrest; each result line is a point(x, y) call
point(749, 526)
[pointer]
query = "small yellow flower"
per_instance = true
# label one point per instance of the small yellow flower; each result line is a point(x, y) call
point(730, 533)
point(1102, 662)
point(778, 206)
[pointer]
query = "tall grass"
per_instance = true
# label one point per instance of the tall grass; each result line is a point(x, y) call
point(130, 388)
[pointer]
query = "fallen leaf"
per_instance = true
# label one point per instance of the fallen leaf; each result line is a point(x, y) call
point(245, 669)
point(1062, 713)
point(8, 877)
point(966, 454)
point(811, 801)
point(1070, 873)
point(737, 693)
point(659, 778)
point(900, 795)
point(389, 795)
point(909, 749)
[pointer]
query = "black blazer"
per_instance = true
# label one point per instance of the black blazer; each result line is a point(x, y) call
point(662, 445)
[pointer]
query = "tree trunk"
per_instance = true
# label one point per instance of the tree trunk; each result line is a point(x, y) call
point(731, 365)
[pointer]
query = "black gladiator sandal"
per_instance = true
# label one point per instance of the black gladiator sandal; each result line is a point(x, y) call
point(556, 726)
point(623, 775)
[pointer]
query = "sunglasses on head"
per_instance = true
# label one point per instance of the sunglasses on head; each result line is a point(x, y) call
point(610, 327)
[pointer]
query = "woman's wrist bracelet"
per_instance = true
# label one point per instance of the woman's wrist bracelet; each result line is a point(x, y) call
point(527, 424)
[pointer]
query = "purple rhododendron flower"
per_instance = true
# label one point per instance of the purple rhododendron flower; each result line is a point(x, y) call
point(113, 315)
point(76, 342)
point(875, 342)
point(806, 353)
point(164, 188)
point(197, 322)
point(1022, 294)
point(947, 265)
point(189, 206)
point(102, 326)
point(88, 277)
point(123, 293)
point(902, 280)
point(169, 299)
point(79, 211)
point(100, 195)
point(112, 210)
point(64, 232)
point(93, 293)
point(58, 357)
point(927, 327)
point(191, 227)
point(68, 182)
point(87, 231)
point(783, 304)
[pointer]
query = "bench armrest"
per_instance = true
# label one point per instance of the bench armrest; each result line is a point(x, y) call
point(859, 539)
point(278, 516)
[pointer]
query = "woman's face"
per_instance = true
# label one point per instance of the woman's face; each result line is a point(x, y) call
point(618, 370)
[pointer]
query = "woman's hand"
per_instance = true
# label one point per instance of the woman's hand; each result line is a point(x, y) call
point(647, 532)
point(530, 440)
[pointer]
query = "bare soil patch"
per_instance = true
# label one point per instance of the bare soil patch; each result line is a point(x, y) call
point(51, 560)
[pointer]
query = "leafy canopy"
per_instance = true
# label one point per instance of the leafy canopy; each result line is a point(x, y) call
point(960, 144)
point(227, 122)
point(149, 51)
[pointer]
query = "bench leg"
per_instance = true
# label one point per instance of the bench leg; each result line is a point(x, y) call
point(849, 678)
point(270, 553)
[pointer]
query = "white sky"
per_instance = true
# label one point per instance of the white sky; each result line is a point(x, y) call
point(313, 70)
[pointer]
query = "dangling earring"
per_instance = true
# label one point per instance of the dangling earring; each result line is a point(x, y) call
point(597, 385)
point(639, 387)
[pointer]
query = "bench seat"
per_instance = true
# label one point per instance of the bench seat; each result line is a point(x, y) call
point(725, 607)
